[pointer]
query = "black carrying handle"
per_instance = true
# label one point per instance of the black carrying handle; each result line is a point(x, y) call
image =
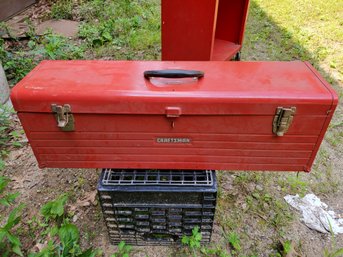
point(173, 74)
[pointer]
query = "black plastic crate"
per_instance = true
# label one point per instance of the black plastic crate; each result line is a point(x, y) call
point(149, 207)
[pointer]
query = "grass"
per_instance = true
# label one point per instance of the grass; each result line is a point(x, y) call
point(313, 32)
point(21, 57)
point(124, 29)
point(62, 9)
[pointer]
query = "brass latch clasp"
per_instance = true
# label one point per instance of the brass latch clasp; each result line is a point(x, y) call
point(64, 117)
point(283, 120)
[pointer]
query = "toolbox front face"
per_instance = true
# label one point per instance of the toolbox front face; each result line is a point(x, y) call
point(239, 116)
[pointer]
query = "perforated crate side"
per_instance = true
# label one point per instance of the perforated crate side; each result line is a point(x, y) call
point(157, 223)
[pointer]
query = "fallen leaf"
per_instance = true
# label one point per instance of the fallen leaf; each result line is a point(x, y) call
point(90, 198)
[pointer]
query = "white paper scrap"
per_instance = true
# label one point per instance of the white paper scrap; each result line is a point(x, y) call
point(315, 213)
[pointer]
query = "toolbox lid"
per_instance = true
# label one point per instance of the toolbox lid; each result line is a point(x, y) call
point(119, 87)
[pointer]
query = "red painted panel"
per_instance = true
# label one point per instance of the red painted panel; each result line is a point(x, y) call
point(302, 125)
point(174, 158)
point(188, 28)
point(231, 19)
point(224, 50)
point(175, 165)
point(328, 119)
point(148, 135)
point(180, 151)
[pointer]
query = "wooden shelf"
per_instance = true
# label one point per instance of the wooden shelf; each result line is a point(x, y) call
point(224, 50)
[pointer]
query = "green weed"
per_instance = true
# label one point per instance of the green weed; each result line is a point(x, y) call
point(17, 62)
point(285, 248)
point(332, 251)
point(326, 181)
point(62, 9)
point(234, 241)
point(293, 184)
point(63, 237)
point(55, 209)
point(8, 136)
point(335, 253)
point(124, 250)
point(335, 138)
point(218, 251)
point(65, 243)
point(6, 199)
point(55, 47)
point(123, 30)
point(9, 241)
point(193, 241)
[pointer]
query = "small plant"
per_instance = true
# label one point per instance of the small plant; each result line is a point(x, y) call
point(56, 47)
point(55, 209)
point(217, 252)
point(63, 237)
point(297, 185)
point(97, 35)
point(333, 251)
point(234, 241)
point(337, 253)
point(17, 65)
point(286, 248)
point(5, 128)
point(121, 27)
point(124, 250)
point(62, 9)
point(6, 199)
point(9, 242)
point(65, 243)
point(17, 62)
point(193, 241)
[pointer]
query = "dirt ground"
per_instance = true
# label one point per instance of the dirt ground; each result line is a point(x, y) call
point(258, 236)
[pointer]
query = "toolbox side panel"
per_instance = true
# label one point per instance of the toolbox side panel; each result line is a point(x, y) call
point(243, 142)
point(330, 114)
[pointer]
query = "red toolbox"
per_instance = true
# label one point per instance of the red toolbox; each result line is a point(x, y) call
point(238, 116)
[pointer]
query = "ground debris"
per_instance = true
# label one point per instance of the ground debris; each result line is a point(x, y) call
point(88, 200)
point(315, 213)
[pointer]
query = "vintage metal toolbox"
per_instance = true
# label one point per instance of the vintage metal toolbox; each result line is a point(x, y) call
point(231, 115)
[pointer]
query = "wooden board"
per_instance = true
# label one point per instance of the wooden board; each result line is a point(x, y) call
point(11, 7)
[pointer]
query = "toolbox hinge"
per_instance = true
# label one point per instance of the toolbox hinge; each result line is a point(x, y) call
point(64, 117)
point(283, 120)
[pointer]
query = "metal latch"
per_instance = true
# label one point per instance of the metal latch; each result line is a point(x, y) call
point(283, 120)
point(64, 117)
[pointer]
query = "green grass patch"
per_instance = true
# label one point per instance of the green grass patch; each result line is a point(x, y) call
point(62, 9)
point(124, 30)
point(305, 30)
